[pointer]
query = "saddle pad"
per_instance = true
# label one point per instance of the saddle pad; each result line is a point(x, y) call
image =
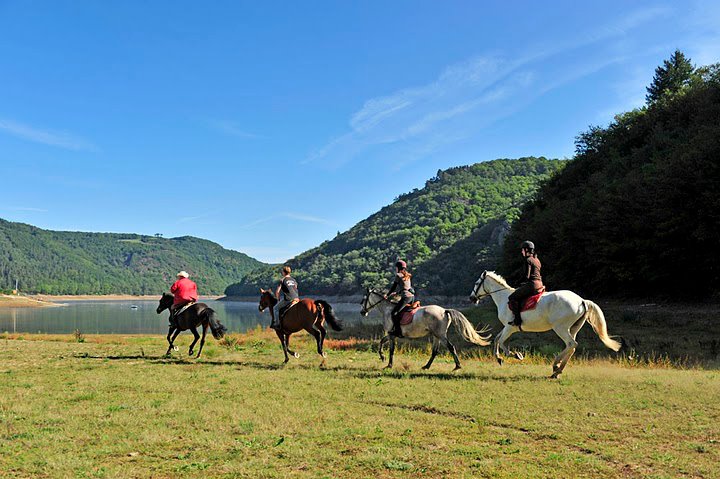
point(287, 308)
point(406, 317)
point(182, 310)
point(530, 303)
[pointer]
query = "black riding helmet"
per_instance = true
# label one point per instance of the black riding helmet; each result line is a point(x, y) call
point(401, 264)
point(528, 245)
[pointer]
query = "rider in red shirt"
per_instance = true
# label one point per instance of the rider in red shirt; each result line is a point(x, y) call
point(185, 291)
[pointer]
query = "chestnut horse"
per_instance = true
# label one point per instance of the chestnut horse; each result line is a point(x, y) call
point(306, 314)
point(194, 316)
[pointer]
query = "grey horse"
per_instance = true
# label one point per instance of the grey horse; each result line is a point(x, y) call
point(431, 319)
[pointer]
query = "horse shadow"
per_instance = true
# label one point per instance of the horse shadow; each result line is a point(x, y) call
point(356, 372)
point(174, 361)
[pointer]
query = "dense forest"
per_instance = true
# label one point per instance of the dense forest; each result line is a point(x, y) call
point(56, 262)
point(637, 212)
point(456, 221)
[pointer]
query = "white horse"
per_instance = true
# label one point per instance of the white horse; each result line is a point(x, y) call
point(562, 311)
point(431, 319)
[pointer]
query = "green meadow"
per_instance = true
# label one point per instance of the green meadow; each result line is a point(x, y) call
point(111, 406)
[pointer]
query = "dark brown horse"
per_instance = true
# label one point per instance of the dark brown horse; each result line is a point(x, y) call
point(194, 316)
point(308, 315)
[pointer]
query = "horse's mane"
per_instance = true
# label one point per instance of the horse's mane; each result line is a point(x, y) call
point(272, 297)
point(498, 278)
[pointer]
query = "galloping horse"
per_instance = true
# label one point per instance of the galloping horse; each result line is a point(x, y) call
point(431, 319)
point(562, 311)
point(191, 318)
point(306, 314)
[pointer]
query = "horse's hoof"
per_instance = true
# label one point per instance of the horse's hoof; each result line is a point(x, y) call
point(389, 366)
point(554, 376)
point(426, 367)
point(500, 361)
point(324, 354)
point(518, 355)
point(190, 353)
point(382, 358)
point(457, 367)
point(175, 348)
point(296, 355)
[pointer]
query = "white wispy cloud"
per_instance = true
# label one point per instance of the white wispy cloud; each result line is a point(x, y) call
point(469, 96)
point(188, 219)
point(46, 137)
point(233, 129)
point(25, 208)
point(291, 216)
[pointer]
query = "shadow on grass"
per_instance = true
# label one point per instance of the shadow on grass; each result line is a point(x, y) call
point(350, 370)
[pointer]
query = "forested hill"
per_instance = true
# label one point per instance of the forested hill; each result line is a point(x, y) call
point(637, 212)
point(419, 227)
point(58, 262)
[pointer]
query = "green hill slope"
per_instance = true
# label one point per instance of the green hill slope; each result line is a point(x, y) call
point(422, 227)
point(58, 262)
point(637, 212)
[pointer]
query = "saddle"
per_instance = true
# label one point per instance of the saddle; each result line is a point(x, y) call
point(174, 316)
point(285, 309)
point(530, 302)
point(407, 314)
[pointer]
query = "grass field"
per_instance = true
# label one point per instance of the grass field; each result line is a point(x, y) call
point(112, 406)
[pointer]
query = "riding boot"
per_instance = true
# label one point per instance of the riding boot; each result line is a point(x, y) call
point(518, 319)
point(396, 330)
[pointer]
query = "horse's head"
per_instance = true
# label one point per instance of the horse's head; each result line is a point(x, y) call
point(267, 300)
point(165, 302)
point(479, 290)
point(368, 303)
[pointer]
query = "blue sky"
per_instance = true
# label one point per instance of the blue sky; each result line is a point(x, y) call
point(270, 126)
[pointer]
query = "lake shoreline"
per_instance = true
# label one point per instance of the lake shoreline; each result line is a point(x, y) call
point(55, 298)
point(12, 301)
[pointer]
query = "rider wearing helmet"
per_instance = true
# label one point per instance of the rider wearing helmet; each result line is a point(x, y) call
point(403, 285)
point(533, 281)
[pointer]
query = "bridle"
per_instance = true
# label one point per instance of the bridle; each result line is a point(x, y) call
point(481, 284)
point(367, 309)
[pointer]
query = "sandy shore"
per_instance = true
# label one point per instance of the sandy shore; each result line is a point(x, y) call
point(103, 297)
point(7, 301)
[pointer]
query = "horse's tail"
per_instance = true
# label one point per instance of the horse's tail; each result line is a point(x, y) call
point(329, 315)
point(217, 328)
point(466, 329)
point(596, 318)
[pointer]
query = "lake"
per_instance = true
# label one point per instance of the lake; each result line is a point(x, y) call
point(118, 317)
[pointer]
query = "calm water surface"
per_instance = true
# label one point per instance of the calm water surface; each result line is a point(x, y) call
point(118, 317)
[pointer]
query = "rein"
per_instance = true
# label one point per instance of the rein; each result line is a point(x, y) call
point(382, 298)
point(489, 293)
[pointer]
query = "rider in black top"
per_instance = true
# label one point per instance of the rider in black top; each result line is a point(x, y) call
point(407, 293)
point(287, 293)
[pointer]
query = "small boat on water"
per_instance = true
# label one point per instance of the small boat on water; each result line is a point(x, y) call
point(133, 307)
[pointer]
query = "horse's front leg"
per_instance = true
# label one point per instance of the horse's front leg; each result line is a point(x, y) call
point(500, 342)
point(392, 353)
point(171, 340)
point(202, 339)
point(197, 336)
point(281, 335)
point(381, 345)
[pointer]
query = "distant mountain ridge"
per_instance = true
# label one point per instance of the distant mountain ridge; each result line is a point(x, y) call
point(63, 262)
point(446, 231)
